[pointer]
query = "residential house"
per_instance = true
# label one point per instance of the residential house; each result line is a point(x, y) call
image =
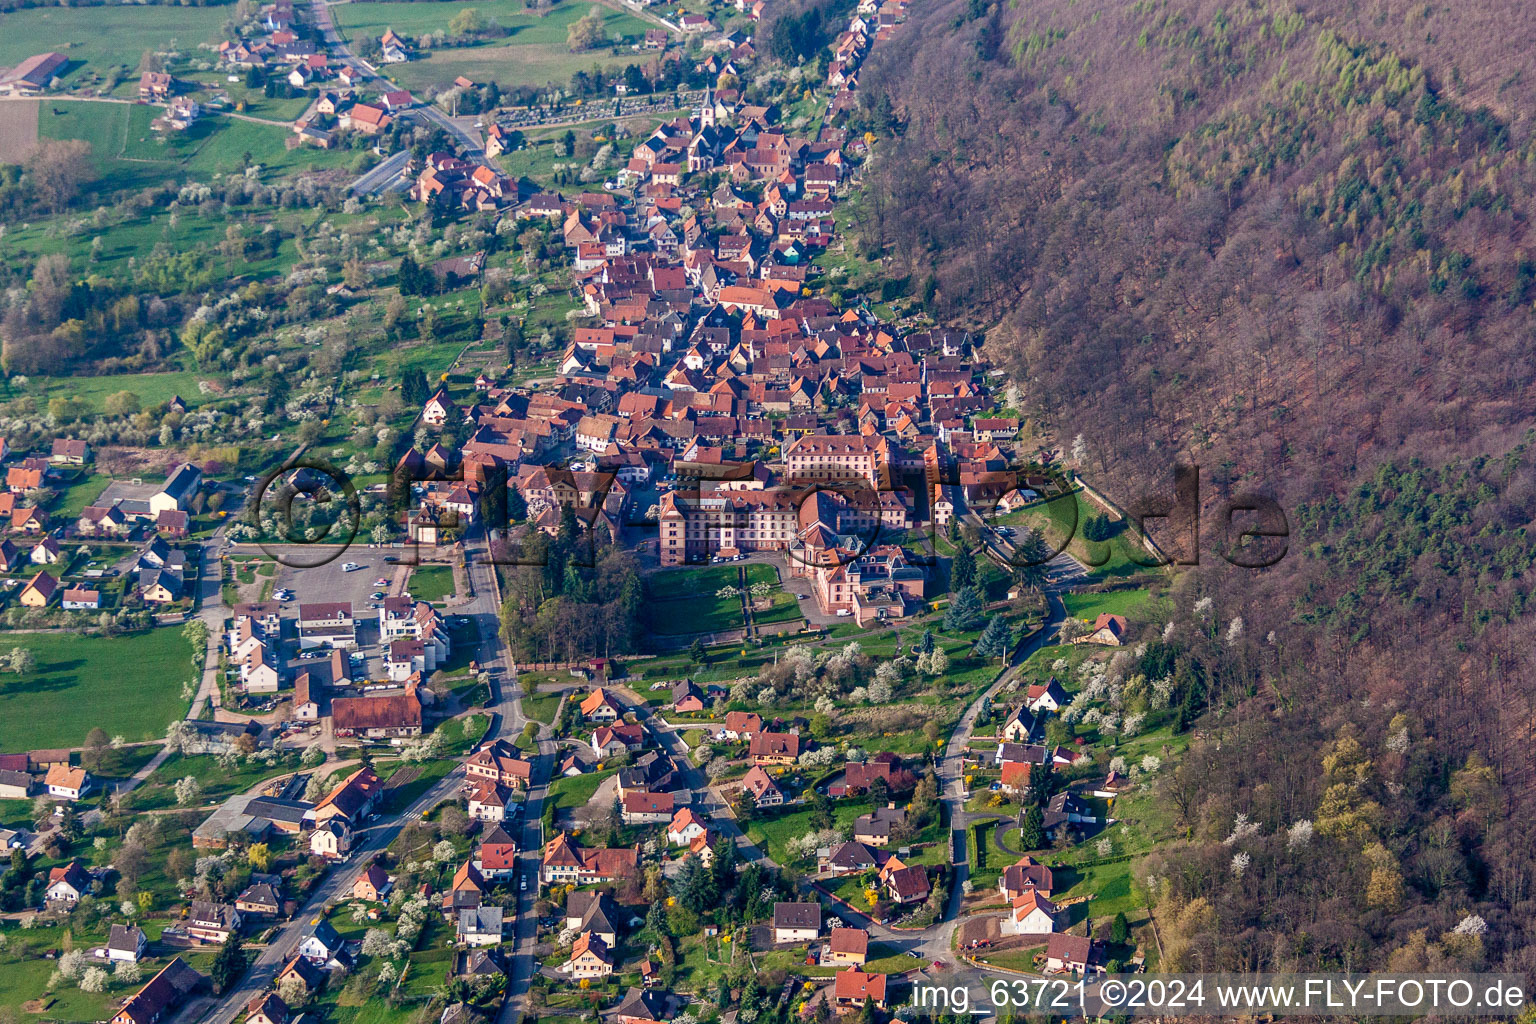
point(1075, 953)
point(39, 591)
point(332, 840)
point(67, 883)
point(796, 922)
point(321, 945)
point(67, 783)
point(496, 856)
point(1030, 914)
point(1048, 696)
point(163, 993)
point(1109, 630)
point(565, 861)
point(741, 725)
point(774, 748)
point(847, 946)
point(590, 958)
point(266, 1008)
point(600, 706)
point(765, 792)
point(372, 884)
point(874, 828)
point(81, 599)
point(647, 808)
point(180, 487)
point(854, 988)
point(259, 899)
point(685, 827)
point(127, 942)
point(592, 911)
point(208, 921)
point(907, 884)
point(306, 973)
point(479, 926)
point(489, 801)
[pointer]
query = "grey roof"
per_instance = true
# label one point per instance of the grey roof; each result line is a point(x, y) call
point(480, 920)
point(182, 481)
point(797, 915)
point(125, 937)
point(273, 809)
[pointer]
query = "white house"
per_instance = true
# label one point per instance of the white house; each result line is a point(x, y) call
point(686, 826)
point(796, 922)
point(333, 840)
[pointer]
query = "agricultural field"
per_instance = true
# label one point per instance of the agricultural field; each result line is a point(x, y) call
point(104, 44)
point(533, 52)
point(128, 686)
point(129, 154)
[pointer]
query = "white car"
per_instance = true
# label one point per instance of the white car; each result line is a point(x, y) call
point(350, 567)
point(522, 884)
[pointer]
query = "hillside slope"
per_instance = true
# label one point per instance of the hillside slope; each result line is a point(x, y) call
point(1261, 235)
point(1292, 244)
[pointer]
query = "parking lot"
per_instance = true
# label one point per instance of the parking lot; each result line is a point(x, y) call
point(330, 582)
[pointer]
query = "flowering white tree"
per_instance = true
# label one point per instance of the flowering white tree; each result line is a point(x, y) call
point(1242, 829)
point(93, 980)
point(1298, 835)
point(1240, 862)
point(188, 791)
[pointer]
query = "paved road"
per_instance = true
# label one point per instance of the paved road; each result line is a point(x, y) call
point(280, 949)
point(482, 608)
point(342, 53)
point(385, 175)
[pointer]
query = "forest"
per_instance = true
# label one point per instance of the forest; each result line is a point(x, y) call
point(1289, 243)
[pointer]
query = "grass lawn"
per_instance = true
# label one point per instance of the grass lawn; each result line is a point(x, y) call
point(575, 791)
point(129, 686)
point(128, 154)
point(542, 706)
point(532, 53)
point(432, 583)
point(1116, 602)
point(676, 584)
point(1014, 959)
point(704, 613)
point(152, 388)
point(80, 492)
point(218, 782)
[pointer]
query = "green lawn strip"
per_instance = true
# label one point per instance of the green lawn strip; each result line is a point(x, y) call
point(127, 685)
point(1014, 959)
point(677, 584)
point(432, 583)
point(541, 707)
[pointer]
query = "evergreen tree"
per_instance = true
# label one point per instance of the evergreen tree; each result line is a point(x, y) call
point(228, 965)
point(696, 651)
point(962, 570)
point(656, 920)
point(964, 611)
point(993, 642)
point(517, 505)
point(926, 644)
point(1120, 929)
point(723, 868)
point(1032, 829)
